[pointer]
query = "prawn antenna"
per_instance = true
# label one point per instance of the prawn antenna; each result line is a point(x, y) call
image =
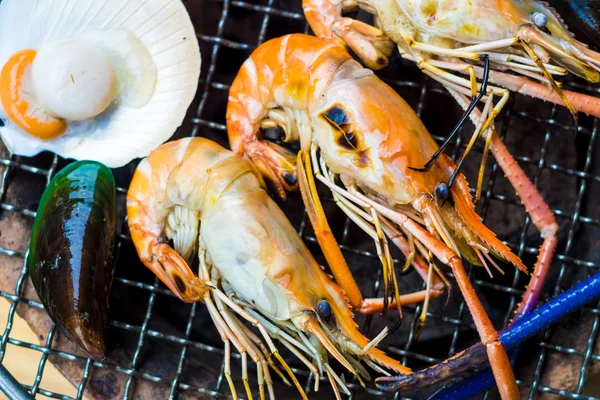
point(465, 116)
point(486, 73)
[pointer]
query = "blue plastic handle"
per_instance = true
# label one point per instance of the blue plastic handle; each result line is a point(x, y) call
point(522, 329)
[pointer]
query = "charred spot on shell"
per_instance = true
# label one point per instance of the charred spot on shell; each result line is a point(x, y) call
point(363, 158)
point(348, 140)
point(339, 119)
point(381, 61)
point(336, 115)
point(178, 282)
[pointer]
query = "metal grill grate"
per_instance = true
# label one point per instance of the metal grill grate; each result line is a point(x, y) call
point(146, 318)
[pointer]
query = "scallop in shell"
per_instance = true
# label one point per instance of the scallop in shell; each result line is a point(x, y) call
point(102, 80)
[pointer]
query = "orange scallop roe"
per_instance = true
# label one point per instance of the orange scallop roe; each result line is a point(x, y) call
point(31, 118)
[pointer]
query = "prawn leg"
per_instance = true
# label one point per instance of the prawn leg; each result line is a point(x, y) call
point(539, 211)
point(365, 220)
point(496, 352)
point(525, 36)
point(446, 79)
point(543, 219)
point(541, 215)
point(449, 81)
point(589, 105)
point(245, 315)
point(323, 232)
point(227, 337)
point(545, 222)
point(371, 43)
point(480, 130)
point(454, 368)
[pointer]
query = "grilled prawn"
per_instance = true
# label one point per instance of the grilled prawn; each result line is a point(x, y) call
point(359, 138)
point(253, 264)
point(524, 42)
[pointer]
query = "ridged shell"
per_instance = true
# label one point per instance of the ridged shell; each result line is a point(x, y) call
point(123, 133)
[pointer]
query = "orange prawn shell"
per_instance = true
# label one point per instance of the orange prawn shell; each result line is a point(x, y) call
point(389, 138)
point(365, 131)
point(304, 72)
point(296, 83)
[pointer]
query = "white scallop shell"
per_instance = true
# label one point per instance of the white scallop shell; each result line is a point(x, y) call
point(122, 133)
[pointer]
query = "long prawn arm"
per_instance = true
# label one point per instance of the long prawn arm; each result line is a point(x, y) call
point(454, 369)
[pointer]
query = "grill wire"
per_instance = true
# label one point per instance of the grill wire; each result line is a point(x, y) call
point(556, 153)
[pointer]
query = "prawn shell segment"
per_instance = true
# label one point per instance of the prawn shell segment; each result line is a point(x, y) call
point(71, 252)
point(465, 21)
point(154, 50)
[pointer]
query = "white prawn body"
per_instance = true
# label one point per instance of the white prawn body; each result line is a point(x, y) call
point(252, 261)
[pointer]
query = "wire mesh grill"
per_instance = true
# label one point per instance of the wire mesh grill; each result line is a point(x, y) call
point(146, 318)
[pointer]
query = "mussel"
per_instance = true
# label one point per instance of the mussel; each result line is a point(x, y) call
point(582, 18)
point(71, 252)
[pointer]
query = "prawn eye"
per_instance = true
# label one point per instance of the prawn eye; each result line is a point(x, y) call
point(441, 191)
point(324, 309)
point(539, 19)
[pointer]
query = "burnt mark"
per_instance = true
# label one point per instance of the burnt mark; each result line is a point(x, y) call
point(363, 158)
point(347, 141)
point(352, 139)
point(381, 61)
point(339, 119)
point(179, 283)
point(336, 115)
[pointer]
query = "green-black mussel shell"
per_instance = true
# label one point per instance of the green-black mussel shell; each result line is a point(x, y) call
point(71, 252)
